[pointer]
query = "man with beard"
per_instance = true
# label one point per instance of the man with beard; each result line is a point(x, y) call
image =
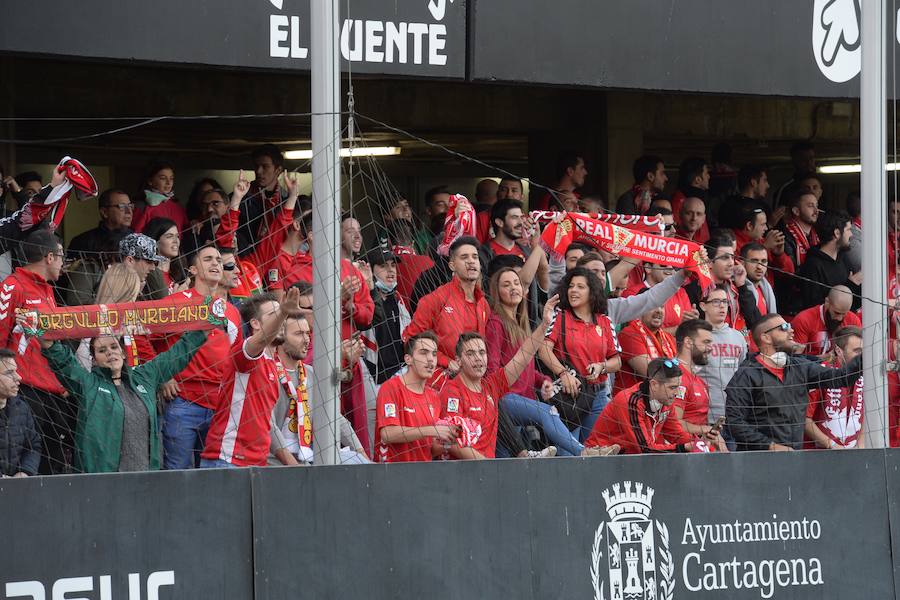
point(766, 400)
point(755, 293)
point(823, 269)
point(452, 308)
point(815, 326)
point(511, 229)
point(834, 418)
point(292, 428)
point(695, 342)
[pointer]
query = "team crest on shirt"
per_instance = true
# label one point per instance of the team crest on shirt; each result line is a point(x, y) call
point(448, 309)
point(273, 275)
point(491, 399)
point(218, 308)
point(453, 405)
point(678, 310)
point(390, 410)
point(681, 392)
point(140, 388)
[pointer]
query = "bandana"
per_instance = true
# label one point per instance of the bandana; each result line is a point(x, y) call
point(154, 198)
point(658, 344)
point(635, 222)
point(126, 318)
point(626, 243)
point(299, 402)
point(804, 243)
point(457, 226)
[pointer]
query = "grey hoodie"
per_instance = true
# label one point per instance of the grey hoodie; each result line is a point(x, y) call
point(728, 351)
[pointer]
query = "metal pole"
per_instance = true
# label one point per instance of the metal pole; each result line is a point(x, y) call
point(326, 175)
point(873, 128)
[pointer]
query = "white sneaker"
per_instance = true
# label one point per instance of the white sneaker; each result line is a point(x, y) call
point(548, 452)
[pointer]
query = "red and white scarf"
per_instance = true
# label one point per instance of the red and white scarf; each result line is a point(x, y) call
point(658, 345)
point(804, 242)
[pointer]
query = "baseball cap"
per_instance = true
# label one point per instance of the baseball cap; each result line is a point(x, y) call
point(380, 255)
point(139, 246)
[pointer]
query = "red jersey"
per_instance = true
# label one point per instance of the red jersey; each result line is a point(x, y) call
point(675, 306)
point(169, 209)
point(265, 256)
point(695, 399)
point(27, 290)
point(447, 313)
point(482, 407)
point(398, 405)
point(809, 329)
point(586, 342)
point(200, 381)
point(778, 263)
point(838, 412)
point(240, 427)
point(363, 305)
point(408, 270)
point(627, 421)
point(483, 226)
point(636, 340)
point(499, 250)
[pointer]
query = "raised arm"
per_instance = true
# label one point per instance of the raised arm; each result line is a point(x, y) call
point(622, 310)
point(531, 344)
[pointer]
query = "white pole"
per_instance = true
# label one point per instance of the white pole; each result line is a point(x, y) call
point(873, 128)
point(326, 175)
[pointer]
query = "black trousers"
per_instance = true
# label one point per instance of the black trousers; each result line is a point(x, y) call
point(55, 419)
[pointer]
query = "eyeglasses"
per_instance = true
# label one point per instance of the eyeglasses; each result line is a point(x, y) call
point(214, 203)
point(122, 207)
point(229, 266)
point(784, 327)
point(716, 302)
point(671, 363)
point(670, 227)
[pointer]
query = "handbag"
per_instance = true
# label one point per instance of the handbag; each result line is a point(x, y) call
point(573, 409)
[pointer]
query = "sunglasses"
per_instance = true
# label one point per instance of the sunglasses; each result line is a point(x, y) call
point(229, 266)
point(671, 363)
point(784, 327)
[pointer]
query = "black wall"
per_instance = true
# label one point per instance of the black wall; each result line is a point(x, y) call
point(497, 529)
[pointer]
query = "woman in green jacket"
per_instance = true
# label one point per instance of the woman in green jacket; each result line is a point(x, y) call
point(117, 428)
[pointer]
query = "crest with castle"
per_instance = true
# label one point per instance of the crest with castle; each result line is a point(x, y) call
point(629, 501)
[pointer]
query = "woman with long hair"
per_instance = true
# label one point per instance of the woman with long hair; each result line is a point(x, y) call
point(156, 198)
point(171, 271)
point(507, 328)
point(582, 346)
point(119, 284)
point(118, 427)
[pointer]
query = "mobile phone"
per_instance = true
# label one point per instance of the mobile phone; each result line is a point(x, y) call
point(717, 426)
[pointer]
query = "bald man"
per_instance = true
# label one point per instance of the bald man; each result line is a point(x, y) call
point(692, 221)
point(814, 326)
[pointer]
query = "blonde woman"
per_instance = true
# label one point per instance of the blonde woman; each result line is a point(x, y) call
point(119, 284)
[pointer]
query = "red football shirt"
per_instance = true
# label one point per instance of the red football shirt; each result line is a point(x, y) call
point(809, 329)
point(200, 381)
point(586, 342)
point(240, 427)
point(838, 412)
point(499, 250)
point(482, 407)
point(635, 343)
point(695, 400)
point(398, 405)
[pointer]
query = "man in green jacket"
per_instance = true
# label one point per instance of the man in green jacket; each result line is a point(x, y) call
point(117, 428)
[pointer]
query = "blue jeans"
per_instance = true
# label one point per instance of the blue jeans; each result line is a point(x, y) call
point(526, 411)
point(583, 432)
point(217, 464)
point(184, 433)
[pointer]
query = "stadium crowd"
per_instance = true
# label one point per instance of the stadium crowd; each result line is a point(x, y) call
point(463, 336)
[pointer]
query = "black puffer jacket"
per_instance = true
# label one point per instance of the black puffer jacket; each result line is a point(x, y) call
point(761, 409)
point(20, 444)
